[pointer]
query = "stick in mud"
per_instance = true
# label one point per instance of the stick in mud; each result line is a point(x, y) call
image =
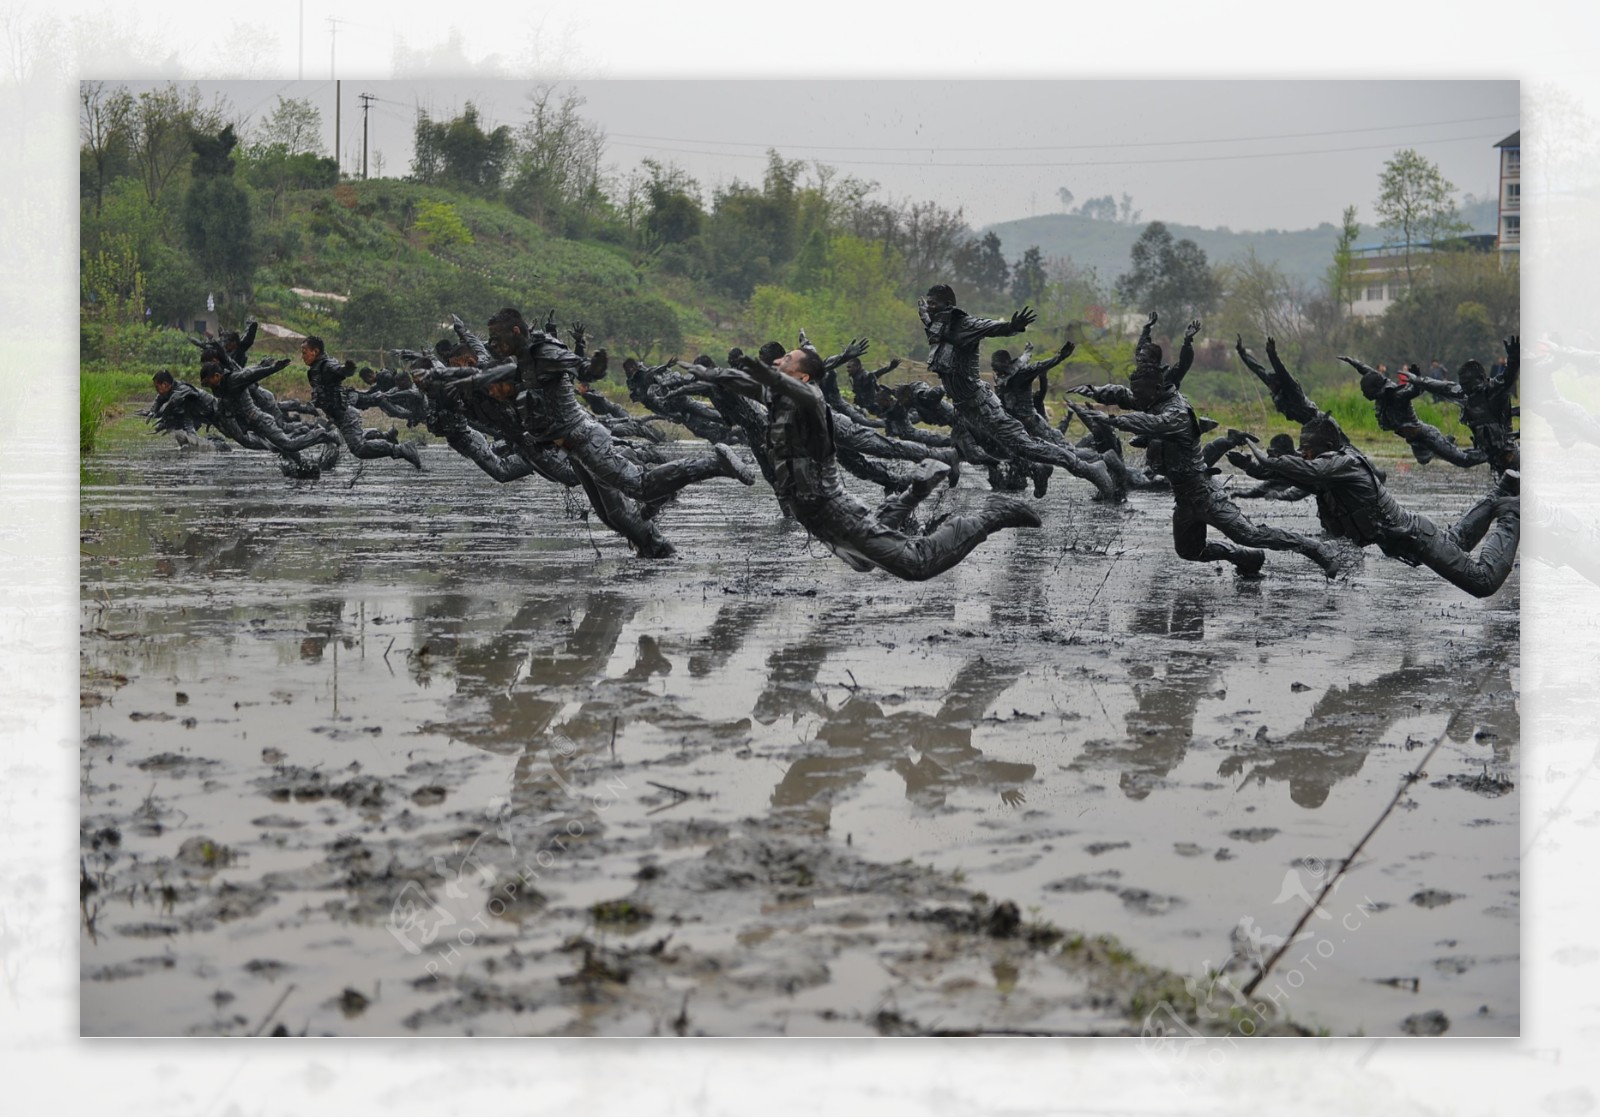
point(273, 1012)
point(1406, 782)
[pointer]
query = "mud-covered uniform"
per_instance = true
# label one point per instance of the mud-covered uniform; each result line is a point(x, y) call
point(1486, 407)
point(954, 337)
point(333, 400)
point(1287, 394)
point(1014, 387)
point(548, 369)
point(1198, 501)
point(652, 386)
point(182, 411)
point(1352, 503)
point(800, 443)
point(1391, 403)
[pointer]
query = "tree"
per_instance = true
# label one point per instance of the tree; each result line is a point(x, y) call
point(1028, 278)
point(1414, 205)
point(103, 132)
point(1461, 308)
point(928, 235)
point(1169, 276)
point(1066, 197)
point(217, 223)
point(1341, 288)
point(980, 265)
point(295, 127)
point(1103, 208)
point(556, 166)
point(674, 214)
point(459, 153)
point(161, 122)
point(440, 226)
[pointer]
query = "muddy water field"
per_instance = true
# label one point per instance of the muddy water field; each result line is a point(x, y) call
point(416, 754)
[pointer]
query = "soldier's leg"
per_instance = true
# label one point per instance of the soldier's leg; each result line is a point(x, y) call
point(623, 516)
point(1431, 438)
point(1479, 576)
point(1226, 517)
point(1190, 542)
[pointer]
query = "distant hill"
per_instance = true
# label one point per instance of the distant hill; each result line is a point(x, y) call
point(1104, 245)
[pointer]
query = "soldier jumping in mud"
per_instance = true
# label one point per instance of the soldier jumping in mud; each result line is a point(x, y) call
point(333, 400)
point(1198, 501)
point(954, 337)
point(1391, 402)
point(547, 369)
point(1486, 408)
point(801, 445)
point(1353, 503)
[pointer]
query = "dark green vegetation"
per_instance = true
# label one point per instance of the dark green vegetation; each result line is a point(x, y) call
point(177, 209)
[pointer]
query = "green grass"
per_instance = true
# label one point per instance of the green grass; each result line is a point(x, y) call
point(101, 395)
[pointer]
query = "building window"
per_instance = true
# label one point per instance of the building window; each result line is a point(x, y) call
point(1396, 290)
point(1513, 195)
point(1513, 159)
point(1513, 227)
point(199, 326)
point(1374, 292)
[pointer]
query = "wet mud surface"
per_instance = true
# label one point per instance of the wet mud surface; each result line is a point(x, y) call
point(423, 754)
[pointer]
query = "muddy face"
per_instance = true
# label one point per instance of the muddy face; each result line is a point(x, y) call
point(419, 742)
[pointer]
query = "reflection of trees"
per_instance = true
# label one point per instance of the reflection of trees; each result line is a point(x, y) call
point(860, 737)
point(1161, 722)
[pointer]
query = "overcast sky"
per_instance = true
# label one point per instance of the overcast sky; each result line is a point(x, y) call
point(1245, 154)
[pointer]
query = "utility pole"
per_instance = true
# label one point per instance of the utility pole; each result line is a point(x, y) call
point(333, 43)
point(366, 103)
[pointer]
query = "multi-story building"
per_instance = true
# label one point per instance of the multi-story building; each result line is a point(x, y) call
point(1509, 239)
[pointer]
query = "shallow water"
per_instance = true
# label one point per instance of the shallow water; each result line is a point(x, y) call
point(373, 701)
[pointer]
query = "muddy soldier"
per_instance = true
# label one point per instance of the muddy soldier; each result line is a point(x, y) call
point(1161, 413)
point(800, 445)
point(953, 339)
point(333, 400)
point(1353, 503)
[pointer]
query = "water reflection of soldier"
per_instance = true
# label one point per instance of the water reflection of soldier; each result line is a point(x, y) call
point(333, 400)
point(1198, 501)
point(800, 442)
point(953, 338)
point(1391, 402)
point(1160, 725)
point(1353, 504)
point(733, 624)
point(1486, 408)
point(860, 738)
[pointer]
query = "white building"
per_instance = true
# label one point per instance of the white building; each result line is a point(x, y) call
point(1509, 239)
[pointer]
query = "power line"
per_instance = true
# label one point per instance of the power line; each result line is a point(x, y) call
point(989, 164)
point(1072, 147)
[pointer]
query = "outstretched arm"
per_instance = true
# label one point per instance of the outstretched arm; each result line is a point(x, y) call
point(1144, 333)
point(1358, 366)
point(1176, 374)
point(261, 372)
point(1513, 346)
point(1250, 362)
point(1116, 394)
point(856, 348)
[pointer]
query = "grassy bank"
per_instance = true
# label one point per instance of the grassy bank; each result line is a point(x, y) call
point(102, 395)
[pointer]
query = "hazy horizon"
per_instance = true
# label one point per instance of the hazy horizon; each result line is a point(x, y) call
point(1249, 155)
